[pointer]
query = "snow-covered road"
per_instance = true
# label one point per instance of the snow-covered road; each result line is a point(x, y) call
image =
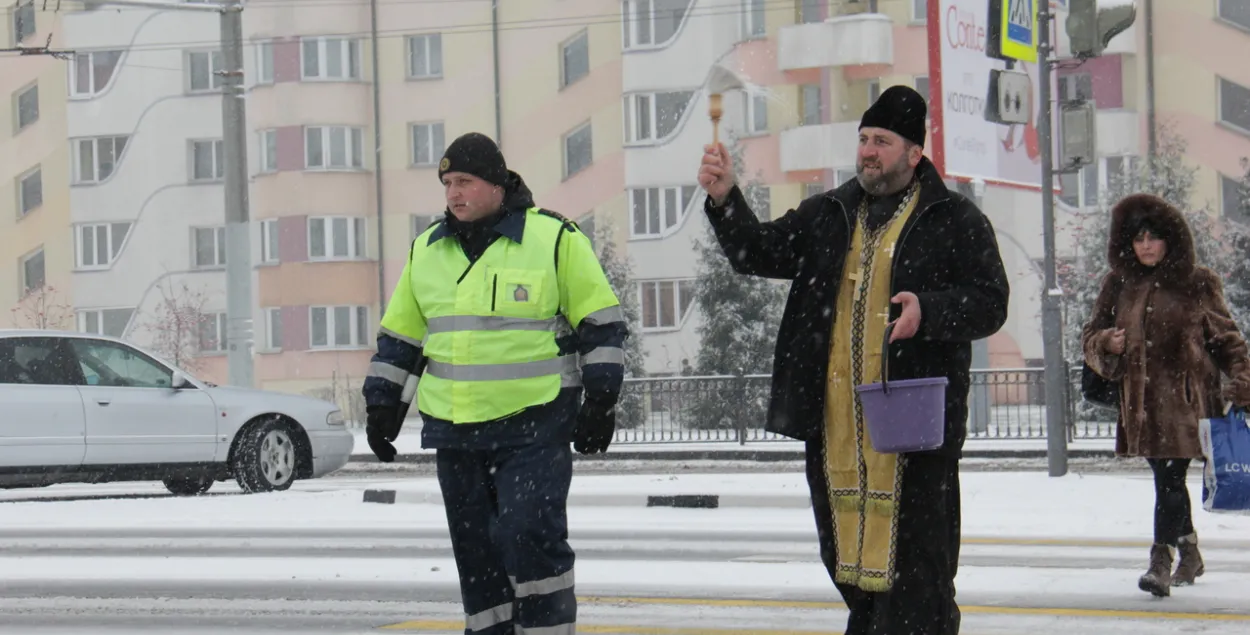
point(1040, 555)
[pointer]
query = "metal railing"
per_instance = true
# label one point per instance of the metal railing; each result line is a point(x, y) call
point(1008, 404)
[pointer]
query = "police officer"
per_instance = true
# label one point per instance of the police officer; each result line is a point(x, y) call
point(504, 315)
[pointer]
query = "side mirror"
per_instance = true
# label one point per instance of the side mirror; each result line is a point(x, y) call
point(179, 381)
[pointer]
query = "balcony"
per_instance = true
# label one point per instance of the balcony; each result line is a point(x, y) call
point(849, 40)
point(821, 147)
point(1119, 132)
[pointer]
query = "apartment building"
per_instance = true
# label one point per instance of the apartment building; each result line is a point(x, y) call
point(34, 173)
point(1202, 92)
point(338, 196)
point(600, 105)
point(146, 195)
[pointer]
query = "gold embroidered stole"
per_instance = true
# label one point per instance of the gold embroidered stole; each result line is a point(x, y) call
point(864, 485)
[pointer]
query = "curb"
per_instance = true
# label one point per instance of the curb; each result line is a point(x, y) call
point(762, 456)
point(681, 501)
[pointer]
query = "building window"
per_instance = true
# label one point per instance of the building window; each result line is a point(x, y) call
point(1233, 100)
point(329, 58)
point(578, 150)
point(1108, 177)
point(208, 160)
point(107, 322)
point(30, 191)
point(658, 210)
point(919, 11)
point(269, 240)
point(421, 222)
point(99, 244)
point(1234, 199)
point(665, 303)
point(98, 158)
point(810, 104)
point(654, 116)
point(23, 21)
point(425, 56)
point(874, 91)
point(575, 59)
point(1076, 87)
point(213, 333)
point(427, 144)
point(812, 11)
point(210, 246)
point(813, 189)
point(92, 72)
point(203, 68)
point(336, 238)
point(648, 23)
point(338, 326)
point(756, 113)
point(842, 175)
point(1235, 11)
point(333, 148)
point(34, 275)
point(273, 328)
point(268, 150)
point(922, 87)
point(26, 104)
point(753, 18)
point(264, 62)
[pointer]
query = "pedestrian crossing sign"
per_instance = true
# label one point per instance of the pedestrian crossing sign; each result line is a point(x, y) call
point(1018, 29)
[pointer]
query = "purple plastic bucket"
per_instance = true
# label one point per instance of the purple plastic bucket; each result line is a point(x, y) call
point(908, 417)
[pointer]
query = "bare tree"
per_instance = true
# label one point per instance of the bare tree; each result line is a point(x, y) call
point(40, 309)
point(181, 327)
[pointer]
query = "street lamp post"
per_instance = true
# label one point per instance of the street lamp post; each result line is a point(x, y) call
point(234, 146)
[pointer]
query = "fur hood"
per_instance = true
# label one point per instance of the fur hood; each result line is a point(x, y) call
point(1145, 211)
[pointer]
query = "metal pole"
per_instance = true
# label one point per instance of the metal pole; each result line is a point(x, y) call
point(377, 155)
point(238, 229)
point(1052, 319)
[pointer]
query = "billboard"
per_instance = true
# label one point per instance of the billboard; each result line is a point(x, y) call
point(959, 71)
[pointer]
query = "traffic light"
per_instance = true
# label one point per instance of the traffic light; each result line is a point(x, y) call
point(1090, 28)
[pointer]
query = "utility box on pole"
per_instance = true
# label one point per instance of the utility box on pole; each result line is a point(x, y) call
point(1078, 135)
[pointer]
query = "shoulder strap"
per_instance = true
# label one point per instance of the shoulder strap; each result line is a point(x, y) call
point(566, 225)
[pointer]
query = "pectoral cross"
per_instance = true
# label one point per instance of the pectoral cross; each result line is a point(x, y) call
point(858, 278)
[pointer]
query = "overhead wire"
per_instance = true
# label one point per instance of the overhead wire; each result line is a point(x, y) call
point(458, 29)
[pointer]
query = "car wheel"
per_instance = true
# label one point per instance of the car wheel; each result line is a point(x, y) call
point(266, 458)
point(188, 486)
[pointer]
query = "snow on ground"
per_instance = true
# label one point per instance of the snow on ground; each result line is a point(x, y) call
point(1014, 504)
point(689, 578)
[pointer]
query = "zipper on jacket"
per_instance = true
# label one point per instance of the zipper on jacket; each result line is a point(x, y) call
point(494, 292)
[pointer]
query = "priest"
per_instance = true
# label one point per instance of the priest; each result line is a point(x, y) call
point(891, 250)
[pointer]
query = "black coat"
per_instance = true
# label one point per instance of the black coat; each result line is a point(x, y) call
point(947, 255)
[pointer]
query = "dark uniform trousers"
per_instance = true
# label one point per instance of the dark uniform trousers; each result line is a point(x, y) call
point(506, 511)
point(922, 600)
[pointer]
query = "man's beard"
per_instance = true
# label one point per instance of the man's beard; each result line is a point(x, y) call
point(887, 181)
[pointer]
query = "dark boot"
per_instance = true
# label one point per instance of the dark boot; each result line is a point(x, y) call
point(1190, 566)
point(1158, 579)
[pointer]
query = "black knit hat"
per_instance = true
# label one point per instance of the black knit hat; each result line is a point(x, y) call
point(900, 109)
point(476, 154)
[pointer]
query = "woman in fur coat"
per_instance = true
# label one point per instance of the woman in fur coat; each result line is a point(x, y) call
point(1161, 328)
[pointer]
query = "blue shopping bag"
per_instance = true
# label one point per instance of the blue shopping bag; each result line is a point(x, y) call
point(1226, 477)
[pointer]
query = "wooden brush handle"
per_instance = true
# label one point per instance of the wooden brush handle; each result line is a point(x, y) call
point(715, 110)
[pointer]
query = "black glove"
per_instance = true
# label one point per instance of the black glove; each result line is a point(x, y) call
point(596, 424)
point(382, 427)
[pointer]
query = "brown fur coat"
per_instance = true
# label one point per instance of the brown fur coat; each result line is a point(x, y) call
point(1179, 336)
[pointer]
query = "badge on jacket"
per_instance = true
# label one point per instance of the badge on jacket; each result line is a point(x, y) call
point(520, 294)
